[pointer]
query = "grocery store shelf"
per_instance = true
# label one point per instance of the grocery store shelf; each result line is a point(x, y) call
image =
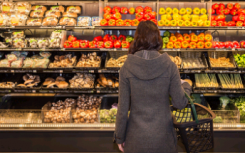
point(117, 49)
point(125, 27)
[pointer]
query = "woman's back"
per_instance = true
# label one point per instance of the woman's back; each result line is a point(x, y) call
point(146, 81)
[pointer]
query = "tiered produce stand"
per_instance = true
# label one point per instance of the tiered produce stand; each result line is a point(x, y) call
point(56, 64)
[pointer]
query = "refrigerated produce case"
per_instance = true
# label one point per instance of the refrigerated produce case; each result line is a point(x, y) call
point(22, 110)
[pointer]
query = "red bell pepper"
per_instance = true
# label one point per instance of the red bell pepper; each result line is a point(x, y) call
point(220, 23)
point(239, 23)
point(124, 10)
point(241, 17)
point(220, 11)
point(106, 37)
point(107, 16)
point(229, 6)
point(220, 18)
point(226, 11)
point(213, 11)
point(119, 22)
point(117, 16)
point(233, 12)
point(231, 23)
point(125, 44)
point(71, 38)
point(92, 44)
point(122, 38)
point(76, 44)
point(228, 44)
point(107, 9)
point(215, 6)
point(221, 45)
point(147, 16)
point(242, 44)
point(108, 44)
point(213, 23)
point(84, 43)
point(131, 10)
point(127, 22)
point(139, 9)
point(98, 38)
point(216, 44)
point(67, 44)
point(213, 18)
point(221, 6)
point(240, 12)
point(225, 23)
point(135, 22)
point(103, 22)
point(153, 14)
point(154, 20)
point(100, 44)
point(237, 6)
point(236, 44)
point(147, 9)
point(113, 38)
point(111, 22)
point(139, 16)
point(117, 44)
point(116, 9)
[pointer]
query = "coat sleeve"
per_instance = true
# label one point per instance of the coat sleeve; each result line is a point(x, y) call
point(123, 108)
point(177, 91)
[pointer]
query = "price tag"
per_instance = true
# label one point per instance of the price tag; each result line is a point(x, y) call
point(34, 71)
point(233, 49)
point(178, 27)
point(62, 49)
point(12, 27)
point(118, 71)
point(61, 71)
point(33, 91)
point(124, 49)
point(221, 72)
point(42, 49)
point(116, 91)
point(99, 71)
point(12, 71)
point(91, 71)
point(58, 27)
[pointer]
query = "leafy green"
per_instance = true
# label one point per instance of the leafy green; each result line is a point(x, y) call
point(240, 60)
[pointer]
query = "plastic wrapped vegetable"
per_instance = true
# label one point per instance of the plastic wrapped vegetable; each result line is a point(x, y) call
point(224, 101)
point(17, 63)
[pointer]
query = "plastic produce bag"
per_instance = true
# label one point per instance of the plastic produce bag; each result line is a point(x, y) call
point(224, 101)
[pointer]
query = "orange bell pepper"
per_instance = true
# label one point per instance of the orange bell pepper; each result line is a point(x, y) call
point(184, 44)
point(201, 34)
point(173, 39)
point(180, 39)
point(172, 34)
point(193, 45)
point(208, 37)
point(185, 34)
point(177, 45)
point(192, 34)
point(200, 37)
point(194, 38)
point(208, 44)
point(170, 45)
point(187, 38)
point(200, 44)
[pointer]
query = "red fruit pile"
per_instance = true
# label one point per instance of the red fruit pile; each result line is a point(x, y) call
point(113, 16)
point(221, 10)
point(108, 41)
point(229, 44)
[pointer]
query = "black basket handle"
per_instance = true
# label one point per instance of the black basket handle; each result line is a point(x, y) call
point(193, 107)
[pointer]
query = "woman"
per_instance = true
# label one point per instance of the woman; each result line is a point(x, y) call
point(146, 80)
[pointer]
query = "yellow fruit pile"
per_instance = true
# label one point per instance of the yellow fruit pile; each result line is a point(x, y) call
point(183, 17)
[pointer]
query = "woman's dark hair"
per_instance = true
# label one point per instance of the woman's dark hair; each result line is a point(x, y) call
point(147, 37)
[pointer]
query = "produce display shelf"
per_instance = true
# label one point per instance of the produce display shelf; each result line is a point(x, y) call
point(231, 91)
point(104, 70)
point(126, 27)
point(116, 49)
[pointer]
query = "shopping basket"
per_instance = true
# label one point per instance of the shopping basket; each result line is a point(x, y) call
point(194, 125)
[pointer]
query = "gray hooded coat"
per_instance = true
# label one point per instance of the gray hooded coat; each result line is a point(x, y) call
point(145, 86)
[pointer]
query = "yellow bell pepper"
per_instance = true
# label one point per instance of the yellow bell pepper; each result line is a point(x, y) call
point(207, 23)
point(186, 17)
point(167, 22)
point(176, 17)
point(161, 23)
point(188, 10)
point(169, 10)
point(182, 11)
point(187, 23)
point(175, 11)
point(173, 23)
point(195, 17)
point(204, 17)
point(203, 11)
point(180, 23)
point(200, 22)
point(166, 17)
point(162, 11)
point(194, 23)
point(196, 11)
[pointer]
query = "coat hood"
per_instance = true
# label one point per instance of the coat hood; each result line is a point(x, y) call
point(147, 66)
